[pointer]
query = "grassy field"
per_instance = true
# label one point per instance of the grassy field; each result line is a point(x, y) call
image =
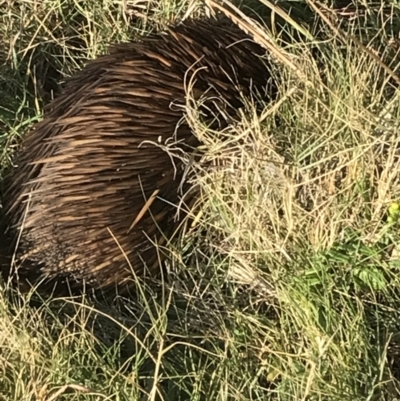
point(288, 287)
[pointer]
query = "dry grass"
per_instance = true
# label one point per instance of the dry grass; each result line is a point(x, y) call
point(287, 286)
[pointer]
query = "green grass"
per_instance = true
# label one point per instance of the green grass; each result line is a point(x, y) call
point(287, 286)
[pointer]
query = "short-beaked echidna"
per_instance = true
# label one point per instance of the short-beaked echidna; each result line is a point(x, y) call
point(85, 172)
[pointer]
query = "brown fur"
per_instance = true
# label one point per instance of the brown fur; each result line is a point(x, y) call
point(84, 171)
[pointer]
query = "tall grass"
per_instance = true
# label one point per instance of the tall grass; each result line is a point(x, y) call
point(286, 286)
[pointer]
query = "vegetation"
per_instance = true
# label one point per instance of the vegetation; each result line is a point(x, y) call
point(287, 285)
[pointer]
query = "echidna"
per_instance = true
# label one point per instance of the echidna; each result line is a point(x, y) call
point(85, 172)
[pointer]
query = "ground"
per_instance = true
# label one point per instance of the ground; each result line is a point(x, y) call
point(287, 286)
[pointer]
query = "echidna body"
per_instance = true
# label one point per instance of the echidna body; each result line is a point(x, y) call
point(85, 172)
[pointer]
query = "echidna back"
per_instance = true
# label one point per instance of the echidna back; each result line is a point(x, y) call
point(97, 180)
